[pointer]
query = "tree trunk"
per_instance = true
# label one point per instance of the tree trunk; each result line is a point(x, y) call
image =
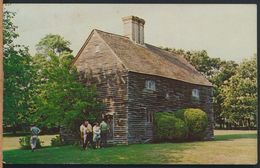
point(248, 121)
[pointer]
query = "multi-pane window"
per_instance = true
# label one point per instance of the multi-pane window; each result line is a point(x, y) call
point(150, 84)
point(195, 94)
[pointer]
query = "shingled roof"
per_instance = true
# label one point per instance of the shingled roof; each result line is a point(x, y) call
point(148, 59)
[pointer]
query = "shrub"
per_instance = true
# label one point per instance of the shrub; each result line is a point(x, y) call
point(168, 127)
point(56, 141)
point(180, 114)
point(196, 121)
point(25, 142)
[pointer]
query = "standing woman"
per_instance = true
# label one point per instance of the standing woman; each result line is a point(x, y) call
point(83, 134)
point(96, 135)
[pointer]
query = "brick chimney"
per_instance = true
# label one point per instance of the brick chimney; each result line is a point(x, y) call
point(134, 28)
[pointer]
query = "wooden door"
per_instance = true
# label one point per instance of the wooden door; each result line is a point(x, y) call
point(110, 122)
point(148, 124)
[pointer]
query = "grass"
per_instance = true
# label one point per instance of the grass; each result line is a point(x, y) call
point(229, 147)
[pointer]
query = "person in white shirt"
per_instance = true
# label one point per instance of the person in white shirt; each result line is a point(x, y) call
point(96, 135)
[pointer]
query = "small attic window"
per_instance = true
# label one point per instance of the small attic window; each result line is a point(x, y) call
point(150, 84)
point(97, 48)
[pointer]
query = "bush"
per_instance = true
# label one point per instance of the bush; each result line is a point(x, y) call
point(56, 141)
point(168, 127)
point(196, 121)
point(25, 142)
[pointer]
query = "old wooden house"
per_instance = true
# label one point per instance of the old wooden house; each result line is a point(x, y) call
point(135, 80)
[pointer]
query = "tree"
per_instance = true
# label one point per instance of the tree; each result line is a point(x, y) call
point(17, 76)
point(203, 63)
point(215, 70)
point(227, 70)
point(60, 98)
point(240, 95)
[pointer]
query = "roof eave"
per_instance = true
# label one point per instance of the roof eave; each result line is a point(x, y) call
point(193, 83)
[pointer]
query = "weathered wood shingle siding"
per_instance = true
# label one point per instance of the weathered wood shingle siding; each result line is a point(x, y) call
point(111, 89)
point(124, 92)
point(180, 96)
point(109, 76)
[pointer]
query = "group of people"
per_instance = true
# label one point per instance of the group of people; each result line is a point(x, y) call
point(95, 136)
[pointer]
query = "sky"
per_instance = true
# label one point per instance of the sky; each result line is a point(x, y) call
point(227, 31)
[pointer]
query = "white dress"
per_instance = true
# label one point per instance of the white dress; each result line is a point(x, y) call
point(96, 133)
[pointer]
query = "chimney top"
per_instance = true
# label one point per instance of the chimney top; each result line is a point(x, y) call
point(134, 28)
point(134, 18)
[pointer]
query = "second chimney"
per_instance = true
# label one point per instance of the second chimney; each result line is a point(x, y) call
point(134, 28)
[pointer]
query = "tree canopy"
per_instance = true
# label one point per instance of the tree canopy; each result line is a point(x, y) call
point(61, 99)
point(17, 75)
point(44, 89)
point(240, 95)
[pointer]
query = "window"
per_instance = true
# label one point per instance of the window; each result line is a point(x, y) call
point(149, 116)
point(150, 84)
point(195, 94)
point(97, 48)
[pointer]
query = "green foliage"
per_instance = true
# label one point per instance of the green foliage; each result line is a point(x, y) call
point(196, 121)
point(54, 44)
point(240, 95)
point(44, 89)
point(56, 141)
point(61, 99)
point(25, 142)
point(180, 113)
point(17, 78)
point(168, 127)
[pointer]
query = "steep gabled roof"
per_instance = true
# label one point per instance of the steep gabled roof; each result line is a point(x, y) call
point(152, 60)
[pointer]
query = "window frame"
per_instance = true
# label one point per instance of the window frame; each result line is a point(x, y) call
point(195, 94)
point(150, 85)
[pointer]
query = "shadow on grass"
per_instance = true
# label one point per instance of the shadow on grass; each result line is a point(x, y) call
point(234, 136)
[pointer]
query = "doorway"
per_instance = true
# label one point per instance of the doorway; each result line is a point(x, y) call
point(110, 122)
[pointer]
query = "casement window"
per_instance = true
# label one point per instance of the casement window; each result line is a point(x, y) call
point(97, 48)
point(150, 84)
point(149, 117)
point(195, 94)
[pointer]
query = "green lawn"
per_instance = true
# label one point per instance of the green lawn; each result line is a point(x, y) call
point(229, 147)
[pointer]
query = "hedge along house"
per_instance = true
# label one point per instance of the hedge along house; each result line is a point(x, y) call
point(136, 80)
